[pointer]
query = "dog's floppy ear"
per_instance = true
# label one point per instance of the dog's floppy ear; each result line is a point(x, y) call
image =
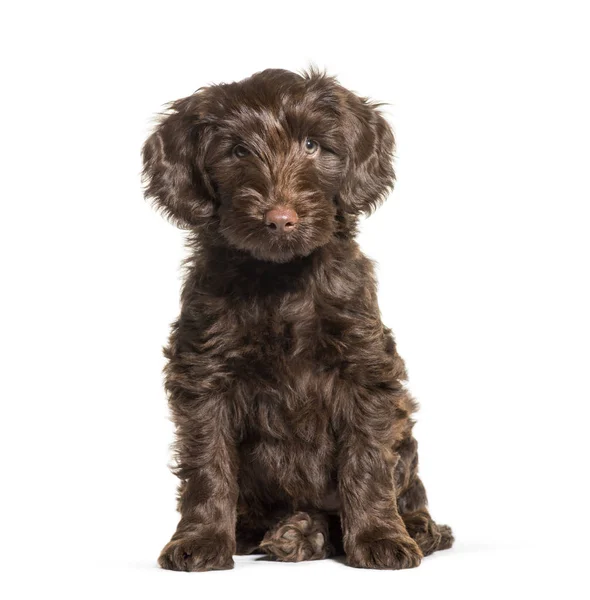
point(174, 163)
point(369, 175)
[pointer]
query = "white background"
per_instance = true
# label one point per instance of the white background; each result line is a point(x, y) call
point(483, 265)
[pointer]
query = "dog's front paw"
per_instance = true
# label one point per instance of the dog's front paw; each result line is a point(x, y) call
point(396, 552)
point(197, 553)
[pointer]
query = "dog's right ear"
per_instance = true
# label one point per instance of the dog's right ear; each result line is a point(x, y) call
point(174, 163)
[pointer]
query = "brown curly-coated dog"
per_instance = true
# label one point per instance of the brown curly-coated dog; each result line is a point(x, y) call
point(294, 430)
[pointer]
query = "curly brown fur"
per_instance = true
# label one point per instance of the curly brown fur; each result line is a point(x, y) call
point(299, 537)
point(293, 425)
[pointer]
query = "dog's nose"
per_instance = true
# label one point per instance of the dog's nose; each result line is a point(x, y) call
point(281, 219)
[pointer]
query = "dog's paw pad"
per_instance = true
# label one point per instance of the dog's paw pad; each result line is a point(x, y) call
point(317, 541)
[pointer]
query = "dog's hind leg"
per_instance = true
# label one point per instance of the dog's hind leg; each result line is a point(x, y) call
point(301, 536)
point(426, 533)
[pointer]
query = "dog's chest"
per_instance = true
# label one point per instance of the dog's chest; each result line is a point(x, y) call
point(282, 395)
point(278, 338)
point(280, 384)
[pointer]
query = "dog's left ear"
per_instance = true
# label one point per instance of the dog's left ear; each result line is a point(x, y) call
point(369, 176)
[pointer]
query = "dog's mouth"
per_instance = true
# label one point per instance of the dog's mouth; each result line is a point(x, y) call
point(272, 242)
point(282, 246)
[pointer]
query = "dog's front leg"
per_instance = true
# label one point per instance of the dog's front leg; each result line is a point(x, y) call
point(207, 466)
point(374, 534)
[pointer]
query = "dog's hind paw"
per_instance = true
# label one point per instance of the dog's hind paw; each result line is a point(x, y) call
point(298, 537)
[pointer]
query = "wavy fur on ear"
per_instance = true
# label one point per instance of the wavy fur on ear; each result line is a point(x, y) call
point(370, 147)
point(174, 173)
point(370, 176)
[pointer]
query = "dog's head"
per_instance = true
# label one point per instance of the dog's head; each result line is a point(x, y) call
point(274, 165)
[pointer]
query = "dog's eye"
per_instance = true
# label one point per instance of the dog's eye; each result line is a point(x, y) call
point(311, 146)
point(241, 151)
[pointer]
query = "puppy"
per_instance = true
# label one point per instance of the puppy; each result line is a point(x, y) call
point(293, 426)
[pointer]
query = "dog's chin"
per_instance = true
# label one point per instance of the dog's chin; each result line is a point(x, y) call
point(275, 256)
point(280, 253)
